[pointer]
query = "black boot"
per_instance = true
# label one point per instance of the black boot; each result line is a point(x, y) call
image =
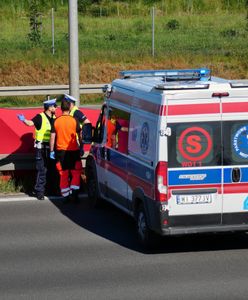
point(66, 200)
point(40, 196)
point(74, 196)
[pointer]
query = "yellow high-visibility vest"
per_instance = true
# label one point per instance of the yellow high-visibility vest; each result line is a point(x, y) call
point(44, 133)
point(72, 114)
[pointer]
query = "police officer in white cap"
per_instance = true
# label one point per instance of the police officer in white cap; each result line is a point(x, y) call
point(42, 123)
point(81, 118)
point(75, 111)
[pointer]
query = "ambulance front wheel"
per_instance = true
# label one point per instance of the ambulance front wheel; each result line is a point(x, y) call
point(146, 236)
point(92, 185)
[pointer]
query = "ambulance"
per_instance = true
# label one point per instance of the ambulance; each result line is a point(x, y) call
point(170, 149)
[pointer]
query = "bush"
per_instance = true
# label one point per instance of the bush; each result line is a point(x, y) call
point(83, 5)
point(173, 24)
point(141, 26)
point(229, 33)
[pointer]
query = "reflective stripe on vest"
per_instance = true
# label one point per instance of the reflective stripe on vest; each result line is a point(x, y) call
point(44, 133)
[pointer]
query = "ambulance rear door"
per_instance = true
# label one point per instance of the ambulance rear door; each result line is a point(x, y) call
point(194, 160)
point(235, 157)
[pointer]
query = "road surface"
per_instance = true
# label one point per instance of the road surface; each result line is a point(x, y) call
point(53, 251)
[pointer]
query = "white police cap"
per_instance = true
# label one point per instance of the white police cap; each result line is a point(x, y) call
point(70, 98)
point(50, 102)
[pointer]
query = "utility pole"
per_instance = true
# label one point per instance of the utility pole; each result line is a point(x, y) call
point(73, 50)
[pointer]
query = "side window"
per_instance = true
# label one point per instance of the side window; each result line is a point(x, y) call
point(235, 139)
point(117, 129)
point(194, 144)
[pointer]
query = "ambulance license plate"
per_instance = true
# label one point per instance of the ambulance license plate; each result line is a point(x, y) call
point(194, 199)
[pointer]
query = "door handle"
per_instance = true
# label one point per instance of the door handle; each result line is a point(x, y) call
point(105, 153)
point(236, 175)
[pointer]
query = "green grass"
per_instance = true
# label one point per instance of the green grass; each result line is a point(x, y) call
point(116, 39)
point(17, 181)
point(9, 186)
point(215, 36)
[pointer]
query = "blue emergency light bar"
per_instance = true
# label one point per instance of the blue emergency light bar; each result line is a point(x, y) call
point(170, 75)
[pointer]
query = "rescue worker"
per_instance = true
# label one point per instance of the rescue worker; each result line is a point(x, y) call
point(117, 130)
point(42, 123)
point(112, 130)
point(65, 149)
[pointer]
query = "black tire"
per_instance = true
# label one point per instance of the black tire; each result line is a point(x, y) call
point(146, 236)
point(92, 185)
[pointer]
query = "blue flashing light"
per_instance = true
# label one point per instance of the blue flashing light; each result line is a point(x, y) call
point(203, 71)
point(171, 75)
point(204, 74)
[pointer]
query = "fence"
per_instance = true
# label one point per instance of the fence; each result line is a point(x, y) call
point(49, 90)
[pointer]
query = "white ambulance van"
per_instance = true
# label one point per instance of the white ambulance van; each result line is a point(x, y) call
point(171, 150)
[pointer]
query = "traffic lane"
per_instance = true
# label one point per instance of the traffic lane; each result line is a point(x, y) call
point(50, 250)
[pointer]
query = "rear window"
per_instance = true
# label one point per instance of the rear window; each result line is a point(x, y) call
point(235, 140)
point(194, 144)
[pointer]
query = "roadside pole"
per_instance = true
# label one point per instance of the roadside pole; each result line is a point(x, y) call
point(53, 49)
point(73, 50)
point(153, 31)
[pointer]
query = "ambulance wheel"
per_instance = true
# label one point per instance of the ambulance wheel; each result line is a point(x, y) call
point(92, 185)
point(146, 236)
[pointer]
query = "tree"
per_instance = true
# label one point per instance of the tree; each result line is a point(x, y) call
point(35, 22)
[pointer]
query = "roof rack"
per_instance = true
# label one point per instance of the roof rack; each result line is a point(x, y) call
point(171, 75)
point(182, 86)
point(242, 83)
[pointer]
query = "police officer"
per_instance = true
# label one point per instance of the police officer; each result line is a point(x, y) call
point(75, 112)
point(84, 122)
point(42, 123)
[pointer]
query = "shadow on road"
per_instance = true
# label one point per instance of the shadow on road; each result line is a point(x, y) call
point(107, 222)
point(114, 225)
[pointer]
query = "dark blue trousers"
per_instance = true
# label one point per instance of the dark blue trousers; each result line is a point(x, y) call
point(41, 162)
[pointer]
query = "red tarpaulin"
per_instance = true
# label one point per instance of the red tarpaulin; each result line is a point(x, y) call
point(17, 138)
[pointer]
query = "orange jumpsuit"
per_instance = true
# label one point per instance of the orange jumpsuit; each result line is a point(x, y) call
point(69, 162)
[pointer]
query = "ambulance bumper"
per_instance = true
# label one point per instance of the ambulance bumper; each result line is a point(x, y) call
point(161, 222)
point(203, 229)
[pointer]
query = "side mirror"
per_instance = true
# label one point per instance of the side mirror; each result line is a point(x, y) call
point(87, 133)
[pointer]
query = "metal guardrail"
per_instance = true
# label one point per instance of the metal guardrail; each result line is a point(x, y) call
point(15, 162)
point(49, 90)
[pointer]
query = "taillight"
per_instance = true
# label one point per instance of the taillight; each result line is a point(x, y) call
point(161, 181)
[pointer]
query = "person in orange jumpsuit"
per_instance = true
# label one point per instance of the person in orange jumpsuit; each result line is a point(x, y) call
point(65, 148)
point(117, 133)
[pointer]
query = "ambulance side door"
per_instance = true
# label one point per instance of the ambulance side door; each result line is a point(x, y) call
point(142, 150)
point(99, 147)
point(115, 156)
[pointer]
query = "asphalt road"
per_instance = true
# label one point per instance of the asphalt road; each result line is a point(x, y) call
point(54, 251)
